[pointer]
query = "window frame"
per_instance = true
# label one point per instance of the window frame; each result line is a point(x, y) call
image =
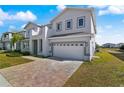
point(71, 24)
point(78, 18)
point(60, 26)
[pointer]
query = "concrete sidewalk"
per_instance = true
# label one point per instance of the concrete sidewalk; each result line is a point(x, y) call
point(4, 82)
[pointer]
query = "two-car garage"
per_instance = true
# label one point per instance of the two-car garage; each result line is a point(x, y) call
point(68, 50)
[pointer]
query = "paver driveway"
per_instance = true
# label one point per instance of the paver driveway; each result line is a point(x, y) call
point(41, 72)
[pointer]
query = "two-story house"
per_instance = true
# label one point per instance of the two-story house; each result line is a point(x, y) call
point(32, 32)
point(6, 40)
point(70, 35)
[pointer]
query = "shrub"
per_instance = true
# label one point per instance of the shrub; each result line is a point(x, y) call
point(97, 46)
point(97, 50)
point(26, 53)
point(122, 47)
point(7, 51)
point(17, 51)
point(43, 56)
point(2, 51)
point(13, 54)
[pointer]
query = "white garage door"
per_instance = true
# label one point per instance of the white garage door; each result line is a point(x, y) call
point(68, 50)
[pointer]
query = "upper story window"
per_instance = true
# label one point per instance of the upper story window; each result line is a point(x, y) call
point(59, 26)
point(68, 24)
point(81, 22)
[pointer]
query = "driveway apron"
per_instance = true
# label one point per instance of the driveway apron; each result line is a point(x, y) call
point(41, 73)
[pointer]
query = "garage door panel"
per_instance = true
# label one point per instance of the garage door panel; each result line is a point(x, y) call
point(69, 52)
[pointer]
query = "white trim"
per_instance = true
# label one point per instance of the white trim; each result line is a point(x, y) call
point(69, 36)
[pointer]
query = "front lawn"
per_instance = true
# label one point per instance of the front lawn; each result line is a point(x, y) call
point(6, 61)
point(108, 70)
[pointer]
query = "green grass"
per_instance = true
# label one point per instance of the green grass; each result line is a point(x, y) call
point(108, 70)
point(6, 61)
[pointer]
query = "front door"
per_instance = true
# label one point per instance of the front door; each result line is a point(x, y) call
point(35, 47)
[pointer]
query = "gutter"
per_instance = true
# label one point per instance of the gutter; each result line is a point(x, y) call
point(70, 36)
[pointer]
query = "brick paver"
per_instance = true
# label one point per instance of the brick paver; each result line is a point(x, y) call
point(40, 73)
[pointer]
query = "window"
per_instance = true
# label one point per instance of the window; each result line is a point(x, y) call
point(59, 26)
point(81, 44)
point(72, 44)
point(26, 44)
point(68, 24)
point(23, 45)
point(41, 45)
point(81, 22)
point(76, 44)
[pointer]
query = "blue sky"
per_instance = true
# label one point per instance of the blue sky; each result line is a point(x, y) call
point(109, 19)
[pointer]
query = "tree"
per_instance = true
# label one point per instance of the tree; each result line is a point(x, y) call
point(16, 38)
point(122, 47)
point(97, 46)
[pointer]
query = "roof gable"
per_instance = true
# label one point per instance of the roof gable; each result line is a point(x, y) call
point(91, 10)
point(66, 9)
point(31, 24)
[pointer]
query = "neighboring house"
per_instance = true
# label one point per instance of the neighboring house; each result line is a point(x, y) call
point(1, 44)
point(109, 45)
point(70, 35)
point(120, 44)
point(112, 45)
point(6, 40)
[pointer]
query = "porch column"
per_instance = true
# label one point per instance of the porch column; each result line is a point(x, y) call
point(21, 46)
point(30, 46)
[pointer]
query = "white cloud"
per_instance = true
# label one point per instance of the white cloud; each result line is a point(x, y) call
point(3, 15)
point(108, 26)
point(60, 7)
point(25, 16)
point(98, 36)
point(1, 23)
point(21, 16)
point(112, 10)
point(98, 6)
